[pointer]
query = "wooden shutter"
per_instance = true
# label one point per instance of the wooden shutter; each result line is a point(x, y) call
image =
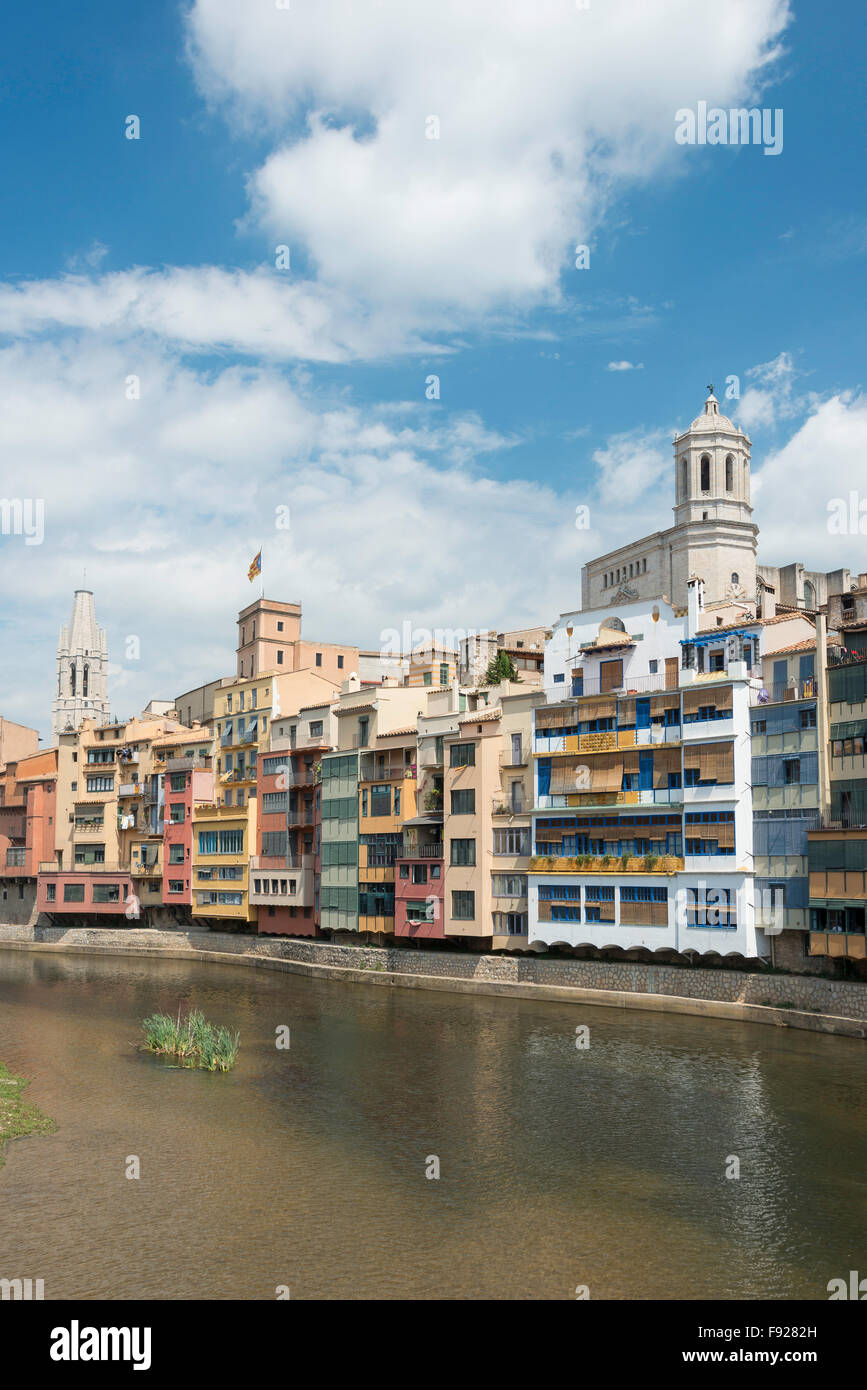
point(610, 675)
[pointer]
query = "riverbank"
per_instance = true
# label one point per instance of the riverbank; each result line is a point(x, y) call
point(787, 1001)
point(18, 1118)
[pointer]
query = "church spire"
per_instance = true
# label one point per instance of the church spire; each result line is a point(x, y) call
point(82, 668)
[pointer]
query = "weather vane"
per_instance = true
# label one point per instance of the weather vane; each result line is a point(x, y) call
point(710, 387)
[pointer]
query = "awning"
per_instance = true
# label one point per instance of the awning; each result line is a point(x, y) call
point(430, 818)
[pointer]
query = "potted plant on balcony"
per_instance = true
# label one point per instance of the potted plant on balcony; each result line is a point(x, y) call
point(433, 800)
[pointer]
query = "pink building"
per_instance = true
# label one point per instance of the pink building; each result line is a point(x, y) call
point(188, 781)
point(419, 880)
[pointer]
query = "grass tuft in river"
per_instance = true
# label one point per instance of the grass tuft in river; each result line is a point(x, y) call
point(193, 1040)
point(17, 1118)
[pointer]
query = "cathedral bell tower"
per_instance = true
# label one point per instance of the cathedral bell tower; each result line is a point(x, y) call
point(714, 535)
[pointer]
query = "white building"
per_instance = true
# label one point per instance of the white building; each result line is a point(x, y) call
point(82, 668)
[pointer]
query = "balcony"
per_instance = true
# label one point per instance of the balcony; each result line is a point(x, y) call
point(187, 764)
point(782, 694)
point(392, 773)
point(276, 861)
point(608, 741)
point(89, 827)
point(665, 796)
point(606, 864)
point(131, 789)
point(146, 870)
point(503, 808)
point(411, 851)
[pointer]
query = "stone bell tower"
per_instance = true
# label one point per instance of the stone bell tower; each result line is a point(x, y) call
point(714, 536)
point(82, 662)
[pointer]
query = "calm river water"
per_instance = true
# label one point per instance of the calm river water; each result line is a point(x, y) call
point(602, 1167)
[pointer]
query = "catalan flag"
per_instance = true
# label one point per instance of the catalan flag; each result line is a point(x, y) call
point(255, 568)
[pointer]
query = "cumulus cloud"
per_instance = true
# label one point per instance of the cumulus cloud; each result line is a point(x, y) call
point(796, 489)
point(632, 464)
point(771, 396)
point(625, 366)
point(451, 155)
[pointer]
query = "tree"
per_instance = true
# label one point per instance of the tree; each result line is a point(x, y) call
point(501, 668)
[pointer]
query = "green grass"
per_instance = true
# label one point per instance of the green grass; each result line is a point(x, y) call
point(193, 1040)
point(17, 1118)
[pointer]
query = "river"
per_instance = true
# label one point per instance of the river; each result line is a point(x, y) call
point(305, 1168)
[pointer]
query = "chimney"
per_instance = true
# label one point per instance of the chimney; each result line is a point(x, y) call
point(694, 605)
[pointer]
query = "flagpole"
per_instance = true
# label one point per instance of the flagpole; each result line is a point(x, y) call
point(261, 576)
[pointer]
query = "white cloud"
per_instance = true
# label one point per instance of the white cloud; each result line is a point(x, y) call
point(533, 134)
point(625, 366)
point(772, 396)
point(798, 483)
point(632, 464)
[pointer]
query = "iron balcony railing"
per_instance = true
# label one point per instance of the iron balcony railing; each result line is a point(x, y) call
point(411, 851)
point(783, 693)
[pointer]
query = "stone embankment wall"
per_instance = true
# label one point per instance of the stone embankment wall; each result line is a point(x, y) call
point(821, 1005)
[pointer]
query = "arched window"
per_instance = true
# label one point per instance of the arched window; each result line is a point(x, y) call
point(684, 477)
point(84, 676)
point(746, 481)
point(605, 581)
point(72, 678)
point(809, 595)
point(613, 625)
point(735, 577)
point(705, 472)
point(730, 473)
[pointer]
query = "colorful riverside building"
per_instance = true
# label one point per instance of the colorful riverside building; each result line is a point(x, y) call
point(28, 795)
point(227, 832)
point(643, 826)
point(284, 871)
point(108, 834)
point(184, 763)
point(837, 847)
point(367, 790)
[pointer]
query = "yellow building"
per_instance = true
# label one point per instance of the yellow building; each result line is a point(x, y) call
point(224, 836)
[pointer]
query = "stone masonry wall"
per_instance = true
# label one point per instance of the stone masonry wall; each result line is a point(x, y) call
point(840, 998)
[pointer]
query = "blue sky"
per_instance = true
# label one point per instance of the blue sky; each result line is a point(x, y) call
point(408, 256)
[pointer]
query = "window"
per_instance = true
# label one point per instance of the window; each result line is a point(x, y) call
point(517, 750)
point(428, 677)
point(90, 854)
point(279, 627)
point(515, 841)
point(792, 769)
point(380, 800)
point(516, 796)
point(176, 813)
point(730, 480)
point(51, 892)
point(279, 658)
point(463, 906)
point(559, 678)
point(100, 784)
point(340, 663)
point(275, 802)
point(106, 892)
point(760, 726)
point(808, 718)
point(364, 801)
point(318, 658)
point(176, 885)
point(403, 870)
point(176, 854)
point(419, 873)
point(464, 802)
point(653, 667)
point(509, 885)
point(100, 755)
point(462, 755)
point(73, 892)
point(363, 725)
point(178, 781)
point(316, 728)
point(705, 473)
point(463, 852)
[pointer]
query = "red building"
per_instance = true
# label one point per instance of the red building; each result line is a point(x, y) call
point(188, 780)
point(28, 797)
point(282, 869)
point(419, 879)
